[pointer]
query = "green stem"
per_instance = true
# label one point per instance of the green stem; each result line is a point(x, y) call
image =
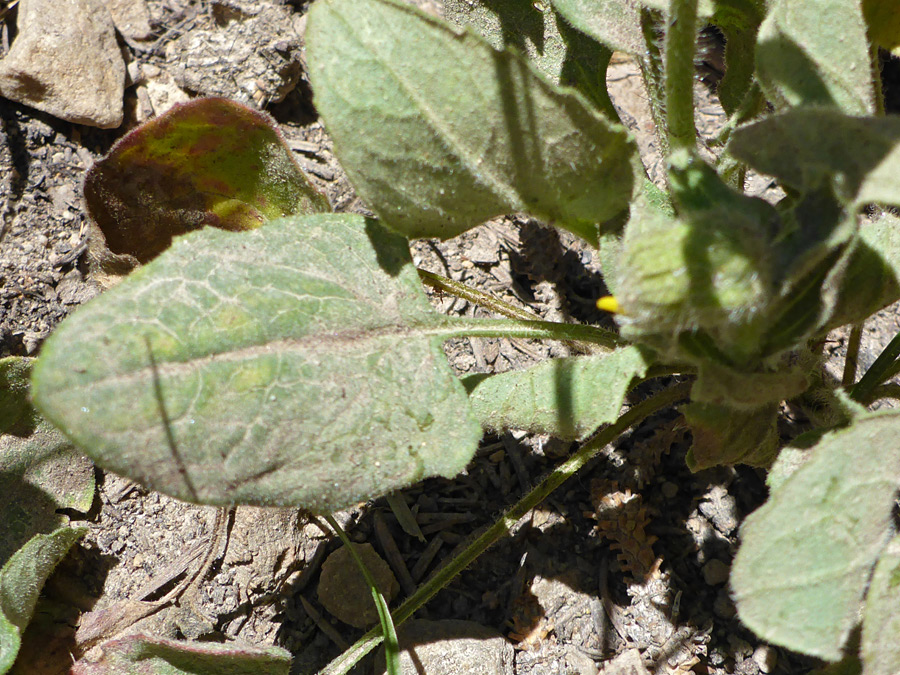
point(505, 523)
point(463, 326)
point(650, 63)
point(883, 391)
point(389, 633)
point(476, 297)
point(879, 371)
point(681, 41)
point(852, 359)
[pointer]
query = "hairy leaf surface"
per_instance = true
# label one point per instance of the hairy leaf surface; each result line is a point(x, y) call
point(207, 162)
point(816, 53)
point(456, 132)
point(151, 655)
point(881, 623)
point(806, 555)
point(260, 368)
point(21, 581)
point(567, 398)
point(615, 23)
point(40, 471)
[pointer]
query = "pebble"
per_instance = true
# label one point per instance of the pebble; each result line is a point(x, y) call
point(343, 590)
point(715, 572)
point(765, 657)
point(65, 61)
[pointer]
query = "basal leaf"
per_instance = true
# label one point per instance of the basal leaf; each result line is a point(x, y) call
point(40, 471)
point(150, 655)
point(296, 364)
point(816, 53)
point(565, 55)
point(881, 622)
point(445, 147)
point(21, 581)
point(208, 162)
point(807, 554)
point(567, 398)
point(615, 23)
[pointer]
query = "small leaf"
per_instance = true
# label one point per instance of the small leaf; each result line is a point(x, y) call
point(567, 398)
point(296, 364)
point(804, 60)
point(152, 655)
point(21, 580)
point(614, 23)
point(721, 385)
point(726, 435)
point(447, 148)
point(883, 21)
point(807, 553)
point(208, 162)
point(40, 471)
point(881, 623)
point(806, 147)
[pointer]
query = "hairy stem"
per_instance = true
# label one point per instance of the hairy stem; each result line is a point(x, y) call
point(505, 523)
point(476, 297)
point(681, 40)
point(852, 359)
point(537, 330)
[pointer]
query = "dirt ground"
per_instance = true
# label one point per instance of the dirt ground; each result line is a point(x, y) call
point(632, 554)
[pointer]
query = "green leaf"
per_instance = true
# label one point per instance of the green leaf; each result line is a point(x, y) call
point(447, 148)
point(883, 21)
point(40, 471)
point(881, 622)
point(208, 162)
point(150, 655)
point(816, 53)
point(807, 554)
point(726, 435)
point(296, 364)
point(566, 56)
point(804, 148)
point(615, 23)
point(21, 580)
point(567, 398)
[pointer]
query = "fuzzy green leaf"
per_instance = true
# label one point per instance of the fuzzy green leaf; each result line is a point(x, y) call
point(726, 435)
point(296, 364)
point(816, 53)
point(615, 23)
point(150, 655)
point(804, 148)
point(208, 162)
point(807, 554)
point(881, 623)
point(40, 471)
point(567, 398)
point(565, 55)
point(21, 581)
point(447, 148)
point(883, 21)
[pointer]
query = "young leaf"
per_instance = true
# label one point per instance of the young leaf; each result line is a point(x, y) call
point(21, 580)
point(208, 162)
point(446, 147)
point(152, 655)
point(816, 53)
point(565, 55)
point(881, 622)
point(567, 398)
point(806, 147)
point(614, 23)
point(726, 435)
point(807, 554)
point(295, 364)
point(40, 472)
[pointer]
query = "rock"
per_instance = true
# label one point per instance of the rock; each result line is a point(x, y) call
point(65, 61)
point(715, 572)
point(132, 18)
point(765, 657)
point(343, 590)
point(450, 648)
point(627, 663)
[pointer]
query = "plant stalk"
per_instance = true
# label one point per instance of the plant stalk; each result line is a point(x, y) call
point(879, 372)
point(342, 664)
point(538, 330)
point(681, 41)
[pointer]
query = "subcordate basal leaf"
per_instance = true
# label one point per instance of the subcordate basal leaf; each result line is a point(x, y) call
point(807, 554)
point(208, 162)
point(296, 364)
point(439, 132)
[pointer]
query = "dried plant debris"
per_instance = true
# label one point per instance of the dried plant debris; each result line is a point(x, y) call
point(622, 518)
point(645, 457)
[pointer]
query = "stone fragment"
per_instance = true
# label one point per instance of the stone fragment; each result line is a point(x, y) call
point(766, 658)
point(65, 61)
point(450, 648)
point(343, 590)
point(715, 572)
point(132, 18)
point(628, 662)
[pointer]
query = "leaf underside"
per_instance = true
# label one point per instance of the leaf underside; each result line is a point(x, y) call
point(256, 368)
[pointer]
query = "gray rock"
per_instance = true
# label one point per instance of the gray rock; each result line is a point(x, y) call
point(132, 18)
point(450, 648)
point(65, 61)
point(343, 590)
